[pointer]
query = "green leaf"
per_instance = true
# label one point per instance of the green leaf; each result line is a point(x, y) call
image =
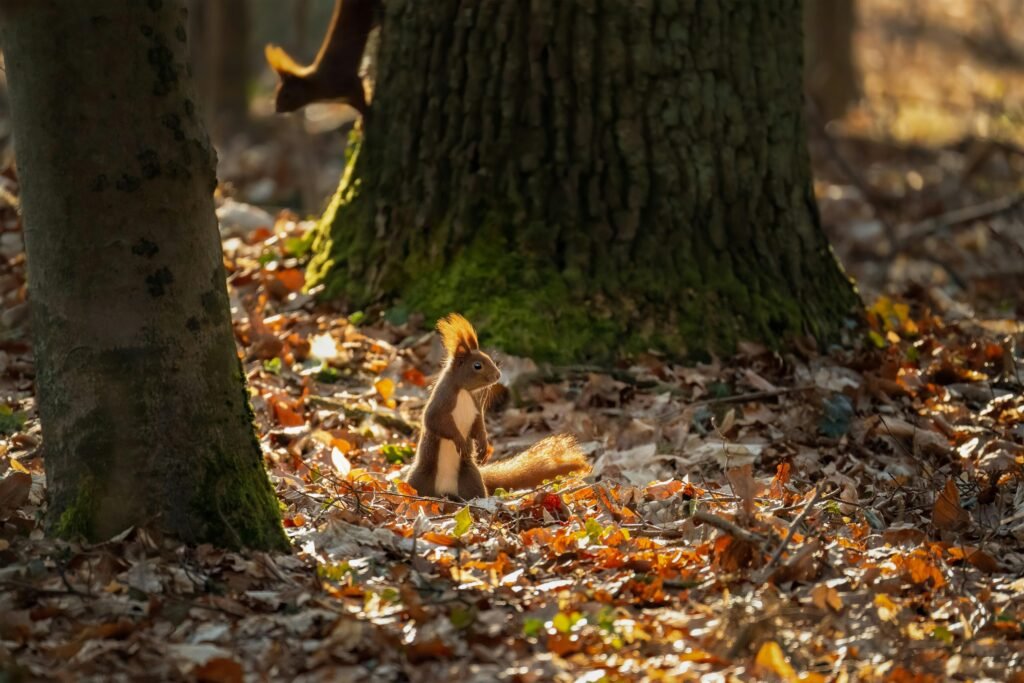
point(357, 317)
point(532, 626)
point(298, 246)
point(463, 521)
point(944, 634)
point(273, 366)
point(462, 617)
point(10, 421)
point(328, 375)
point(397, 453)
point(594, 530)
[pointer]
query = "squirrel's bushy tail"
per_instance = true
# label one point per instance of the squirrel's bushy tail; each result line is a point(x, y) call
point(546, 459)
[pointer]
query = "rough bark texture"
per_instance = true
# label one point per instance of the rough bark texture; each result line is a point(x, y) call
point(831, 73)
point(144, 409)
point(586, 178)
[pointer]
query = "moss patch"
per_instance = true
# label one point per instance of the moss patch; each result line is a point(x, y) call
point(78, 519)
point(235, 502)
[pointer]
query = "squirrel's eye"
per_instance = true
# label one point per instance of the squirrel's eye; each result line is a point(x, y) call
point(478, 365)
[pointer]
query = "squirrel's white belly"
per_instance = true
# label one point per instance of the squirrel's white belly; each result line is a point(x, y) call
point(448, 459)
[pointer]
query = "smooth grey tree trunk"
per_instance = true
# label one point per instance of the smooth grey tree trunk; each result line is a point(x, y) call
point(144, 408)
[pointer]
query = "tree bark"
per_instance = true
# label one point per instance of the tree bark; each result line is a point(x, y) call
point(586, 179)
point(831, 73)
point(144, 409)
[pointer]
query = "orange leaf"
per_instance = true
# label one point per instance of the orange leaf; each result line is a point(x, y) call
point(771, 659)
point(286, 416)
point(259, 235)
point(440, 539)
point(292, 279)
point(947, 513)
point(385, 387)
point(219, 670)
point(779, 481)
point(414, 377)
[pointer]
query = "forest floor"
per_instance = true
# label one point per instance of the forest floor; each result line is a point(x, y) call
point(799, 515)
point(851, 515)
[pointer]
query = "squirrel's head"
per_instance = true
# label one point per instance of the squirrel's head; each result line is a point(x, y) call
point(470, 367)
point(294, 90)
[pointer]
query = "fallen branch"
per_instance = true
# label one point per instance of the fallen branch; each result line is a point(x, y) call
point(731, 528)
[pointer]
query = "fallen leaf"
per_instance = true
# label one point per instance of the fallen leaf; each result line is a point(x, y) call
point(463, 521)
point(219, 670)
point(340, 462)
point(824, 596)
point(948, 513)
point(414, 377)
point(291, 278)
point(14, 490)
point(771, 659)
point(385, 387)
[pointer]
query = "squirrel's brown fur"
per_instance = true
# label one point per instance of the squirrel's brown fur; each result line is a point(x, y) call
point(334, 74)
point(453, 439)
point(546, 459)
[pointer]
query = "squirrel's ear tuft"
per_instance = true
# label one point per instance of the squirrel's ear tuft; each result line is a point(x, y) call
point(457, 335)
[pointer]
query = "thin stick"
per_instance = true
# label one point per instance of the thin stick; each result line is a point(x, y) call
point(729, 527)
point(797, 521)
point(752, 396)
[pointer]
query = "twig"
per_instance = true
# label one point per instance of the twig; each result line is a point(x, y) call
point(729, 527)
point(965, 214)
point(752, 396)
point(797, 521)
point(443, 501)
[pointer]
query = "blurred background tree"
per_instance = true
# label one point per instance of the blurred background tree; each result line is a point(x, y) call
point(830, 71)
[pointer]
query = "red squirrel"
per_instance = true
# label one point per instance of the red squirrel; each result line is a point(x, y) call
point(453, 440)
point(334, 74)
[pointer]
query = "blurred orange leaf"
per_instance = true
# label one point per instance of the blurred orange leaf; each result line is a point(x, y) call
point(771, 659)
point(286, 416)
point(948, 513)
point(385, 387)
point(219, 670)
point(414, 377)
point(291, 278)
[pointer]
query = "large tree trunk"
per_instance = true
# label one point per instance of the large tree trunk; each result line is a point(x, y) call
point(585, 178)
point(831, 74)
point(143, 404)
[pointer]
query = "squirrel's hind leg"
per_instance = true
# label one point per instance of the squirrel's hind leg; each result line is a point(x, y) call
point(471, 483)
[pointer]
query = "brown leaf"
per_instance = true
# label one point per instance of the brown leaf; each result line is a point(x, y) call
point(14, 490)
point(824, 596)
point(947, 513)
point(743, 486)
point(219, 670)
